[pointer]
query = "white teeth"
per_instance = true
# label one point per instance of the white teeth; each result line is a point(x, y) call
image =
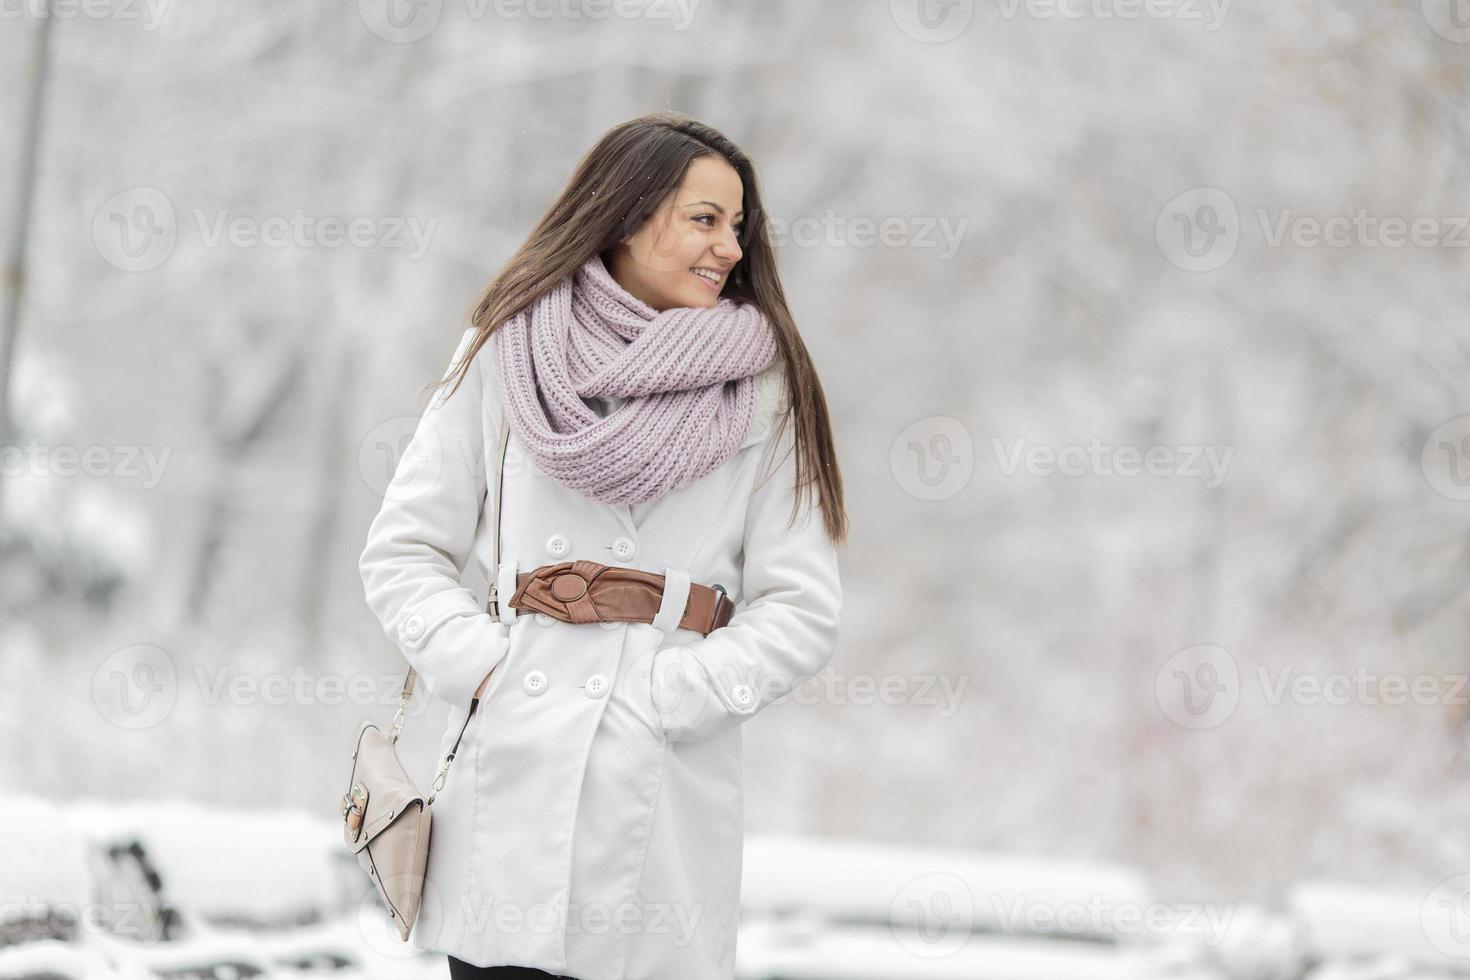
point(712, 277)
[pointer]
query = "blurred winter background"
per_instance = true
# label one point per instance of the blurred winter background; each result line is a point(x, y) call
point(1144, 328)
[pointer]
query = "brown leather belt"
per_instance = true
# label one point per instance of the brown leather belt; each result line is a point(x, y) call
point(590, 592)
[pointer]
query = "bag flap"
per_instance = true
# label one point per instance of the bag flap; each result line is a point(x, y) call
point(380, 785)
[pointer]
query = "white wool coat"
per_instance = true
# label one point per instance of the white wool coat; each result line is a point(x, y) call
point(591, 823)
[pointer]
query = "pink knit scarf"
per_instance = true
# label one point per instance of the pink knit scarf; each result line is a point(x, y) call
point(687, 374)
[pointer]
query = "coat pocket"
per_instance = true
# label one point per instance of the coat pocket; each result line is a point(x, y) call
point(638, 679)
point(452, 644)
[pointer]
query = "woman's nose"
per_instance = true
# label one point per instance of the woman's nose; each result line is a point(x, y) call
point(727, 247)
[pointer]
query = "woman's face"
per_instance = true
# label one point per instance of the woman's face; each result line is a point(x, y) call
point(694, 228)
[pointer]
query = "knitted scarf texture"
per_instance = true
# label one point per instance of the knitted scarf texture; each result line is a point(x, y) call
point(686, 374)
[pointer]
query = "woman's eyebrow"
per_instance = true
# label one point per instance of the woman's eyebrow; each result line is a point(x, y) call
point(711, 204)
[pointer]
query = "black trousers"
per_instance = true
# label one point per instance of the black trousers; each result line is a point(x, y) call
point(460, 970)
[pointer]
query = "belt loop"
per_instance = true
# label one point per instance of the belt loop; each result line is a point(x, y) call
point(505, 587)
point(676, 597)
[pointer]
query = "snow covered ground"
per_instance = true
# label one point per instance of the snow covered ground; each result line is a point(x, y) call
point(98, 889)
point(176, 889)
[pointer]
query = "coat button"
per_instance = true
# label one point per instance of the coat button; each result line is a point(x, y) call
point(534, 683)
point(743, 695)
point(596, 686)
point(413, 626)
point(558, 546)
point(624, 549)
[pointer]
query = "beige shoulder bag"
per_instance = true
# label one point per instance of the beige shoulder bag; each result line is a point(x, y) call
point(385, 819)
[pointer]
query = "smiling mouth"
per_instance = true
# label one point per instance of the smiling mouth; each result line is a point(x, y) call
point(709, 278)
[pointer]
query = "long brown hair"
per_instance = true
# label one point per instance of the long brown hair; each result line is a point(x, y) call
point(618, 185)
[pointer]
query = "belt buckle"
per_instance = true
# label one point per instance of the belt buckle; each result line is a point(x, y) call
point(550, 589)
point(714, 613)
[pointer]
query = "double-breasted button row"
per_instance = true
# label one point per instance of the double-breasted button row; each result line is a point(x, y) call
point(560, 546)
point(535, 684)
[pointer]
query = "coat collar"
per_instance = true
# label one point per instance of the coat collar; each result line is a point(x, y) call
point(770, 397)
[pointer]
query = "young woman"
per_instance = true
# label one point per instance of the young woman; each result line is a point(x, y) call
point(671, 507)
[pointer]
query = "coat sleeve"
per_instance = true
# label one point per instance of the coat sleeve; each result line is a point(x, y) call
point(421, 539)
point(786, 630)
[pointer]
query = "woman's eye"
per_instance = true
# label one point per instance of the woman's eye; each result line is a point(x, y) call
point(739, 226)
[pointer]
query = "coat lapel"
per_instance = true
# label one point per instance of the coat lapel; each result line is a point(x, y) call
point(625, 514)
point(770, 393)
